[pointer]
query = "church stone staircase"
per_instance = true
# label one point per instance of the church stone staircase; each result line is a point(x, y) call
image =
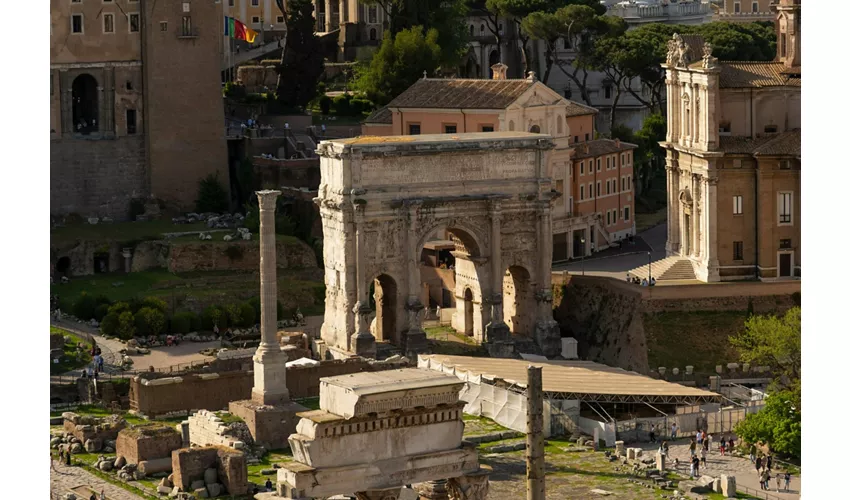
point(671, 268)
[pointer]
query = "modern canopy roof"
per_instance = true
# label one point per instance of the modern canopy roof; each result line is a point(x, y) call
point(578, 380)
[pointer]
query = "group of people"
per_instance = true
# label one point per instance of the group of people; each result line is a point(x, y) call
point(638, 281)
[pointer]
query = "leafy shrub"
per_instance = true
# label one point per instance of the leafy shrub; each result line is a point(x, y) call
point(109, 324)
point(359, 106)
point(101, 311)
point(154, 303)
point(126, 326)
point(321, 88)
point(183, 322)
point(149, 321)
point(246, 315)
point(342, 104)
point(118, 308)
point(212, 197)
point(212, 316)
point(84, 306)
point(234, 90)
point(233, 314)
point(325, 104)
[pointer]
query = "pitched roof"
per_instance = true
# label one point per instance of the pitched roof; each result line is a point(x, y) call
point(381, 115)
point(576, 109)
point(600, 147)
point(755, 74)
point(461, 93)
point(782, 144)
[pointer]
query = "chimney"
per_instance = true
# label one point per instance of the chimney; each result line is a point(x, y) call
point(500, 71)
point(617, 143)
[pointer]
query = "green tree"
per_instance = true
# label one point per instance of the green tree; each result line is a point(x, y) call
point(401, 61)
point(778, 424)
point(109, 325)
point(149, 321)
point(649, 158)
point(302, 62)
point(212, 196)
point(773, 341)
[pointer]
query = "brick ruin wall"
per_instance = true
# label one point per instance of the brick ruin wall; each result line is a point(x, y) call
point(206, 429)
point(189, 465)
point(606, 315)
point(97, 177)
point(147, 443)
point(213, 391)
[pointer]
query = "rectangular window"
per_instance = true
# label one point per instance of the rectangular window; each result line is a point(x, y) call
point(737, 8)
point(77, 23)
point(186, 28)
point(607, 92)
point(608, 214)
point(134, 23)
point(607, 163)
point(255, 3)
point(614, 216)
point(737, 250)
point(598, 188)
point(786, 201)
point(737, 205)
point(626, 213)
point(575, 139)
point(599, 164)
point(449, 129)
point(486, 128)
point(755, 6)
point(785, 165)
point(279, 19)
point(785, 244)
point(581, 193)
point(373, 15)
point(581, 168)
point(108, 23)
point(586, 137)
point(413, 129)
point(76, 1)
point(255, 19)
point(131, 121)
point(629, 183)
point(590, 190)
point(622, 183)
point(163, 26)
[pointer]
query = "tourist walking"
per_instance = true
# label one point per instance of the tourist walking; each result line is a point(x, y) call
point(693, 469)
point(102, 495)
point(769, 462)
point(708, 441)
point(269, 485)
point(68, 458)
point(702, 456)
point(652, 433)
point(93, 496)
point(699, 437)
point(673, 430)
point(722, 446)
point(787, 481)
point(731, 444)
point(778, 480)
point(696, 466)
point(439, 315)
point(752, 453)
point(765, 479)
point(758, 463)
point(693, 447)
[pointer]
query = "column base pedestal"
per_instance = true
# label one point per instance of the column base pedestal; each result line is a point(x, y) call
point(270, 426)
point(547, 335)
point(500, 349)
point(497, 332)
point(414, 342)
point(363, 344)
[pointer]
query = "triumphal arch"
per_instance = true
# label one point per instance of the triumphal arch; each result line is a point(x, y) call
point(382, 198)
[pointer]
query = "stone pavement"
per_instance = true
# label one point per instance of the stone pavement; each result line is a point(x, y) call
point(64, 478)
point(716, 465)
point(622, 260)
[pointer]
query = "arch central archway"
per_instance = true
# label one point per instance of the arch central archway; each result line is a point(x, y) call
point(519, 303)
point(84, 109)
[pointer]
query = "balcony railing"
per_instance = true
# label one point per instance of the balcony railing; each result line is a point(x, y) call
point(662, 11)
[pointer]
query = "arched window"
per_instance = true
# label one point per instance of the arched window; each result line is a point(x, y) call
point(535, 129)
point(560, 125)
point(481, 29)
point(84, 104)
point(511, 125)
point(373, 34)
point(471, 30)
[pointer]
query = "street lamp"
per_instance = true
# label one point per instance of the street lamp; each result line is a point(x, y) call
point(583, 251)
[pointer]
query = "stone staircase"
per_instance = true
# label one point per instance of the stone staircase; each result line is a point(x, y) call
point(671, 268)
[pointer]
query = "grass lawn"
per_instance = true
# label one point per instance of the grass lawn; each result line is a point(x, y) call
point(446, 340)
point(71, 358)
point(295, 288)
point(309, 403)
point(272, 457)
point(698, 338)
point(644, 221)
point(122, 231)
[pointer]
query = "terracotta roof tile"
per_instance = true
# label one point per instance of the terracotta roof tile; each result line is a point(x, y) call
point(576, 109)
point(461, 93)
point(600, 147)
point(381, 115)
point(735, 74)
point(782, 144)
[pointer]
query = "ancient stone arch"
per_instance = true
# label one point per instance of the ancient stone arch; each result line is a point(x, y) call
point(84, 104)
point(382, 199)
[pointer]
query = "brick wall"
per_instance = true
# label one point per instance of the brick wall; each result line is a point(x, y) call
point(215, 255)
point(185, 111)
point(97, 177)
point(147, 443)
point(214, 391)
point(189, 465)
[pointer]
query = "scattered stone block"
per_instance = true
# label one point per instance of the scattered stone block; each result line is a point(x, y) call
point(148, 442)
point(620, 448)
point(163, 490)
point(120, 461)
point(728, 486)
point(197, 484)
point(200, 493)
point(156, 465)
point(210, 476)
point(214, 489)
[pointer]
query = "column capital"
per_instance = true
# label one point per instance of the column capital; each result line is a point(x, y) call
point(267, 199)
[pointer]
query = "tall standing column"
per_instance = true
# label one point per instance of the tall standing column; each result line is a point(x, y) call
point(535, 464)
point(711, 229)
point(414, 338)
point(328, 16)
point(497, 329)
point(269, 361)
point(547, 332)
point(362, 342)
